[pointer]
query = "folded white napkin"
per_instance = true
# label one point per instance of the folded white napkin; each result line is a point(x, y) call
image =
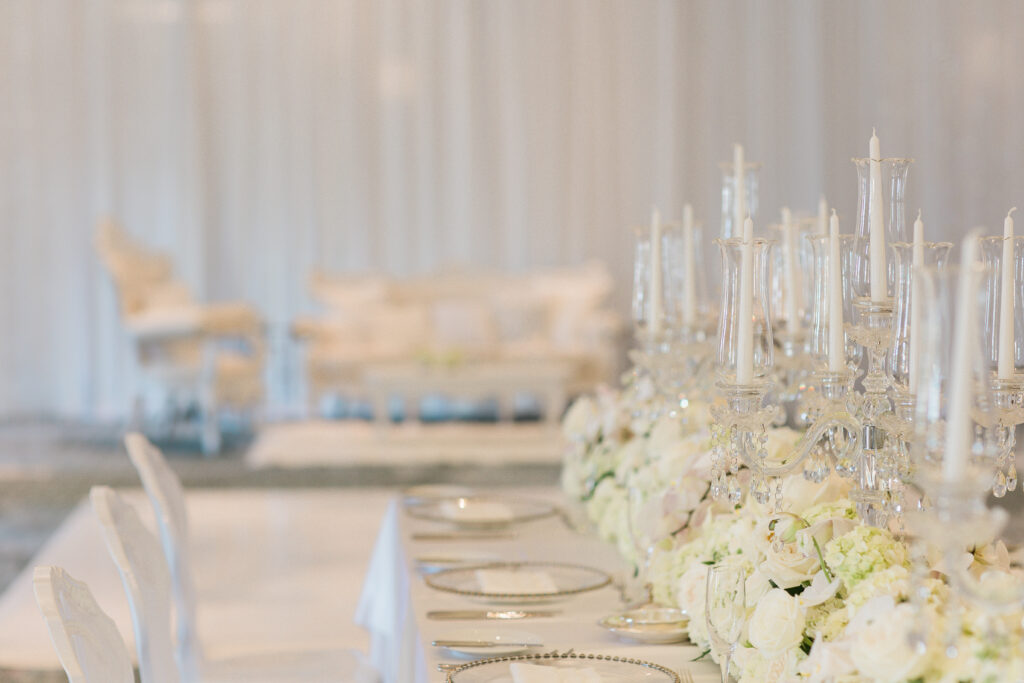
point(515, 582)
point(475, 511)
point(532, 673)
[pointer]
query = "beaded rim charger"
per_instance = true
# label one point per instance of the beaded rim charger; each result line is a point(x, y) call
point(671, 676)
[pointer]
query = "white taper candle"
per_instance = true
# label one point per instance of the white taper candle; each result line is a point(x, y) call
point(961, 387)
point(879, 290)
point(836, 339)
point(1005, 363)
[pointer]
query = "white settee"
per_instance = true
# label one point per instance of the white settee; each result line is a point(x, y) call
point(469, 334)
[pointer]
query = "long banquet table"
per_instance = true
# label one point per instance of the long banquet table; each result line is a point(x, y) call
point(396, 600)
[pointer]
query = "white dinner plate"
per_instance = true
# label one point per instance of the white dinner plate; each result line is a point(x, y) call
point(490, 636)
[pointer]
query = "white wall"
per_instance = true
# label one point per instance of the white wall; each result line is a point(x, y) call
point(256, 139)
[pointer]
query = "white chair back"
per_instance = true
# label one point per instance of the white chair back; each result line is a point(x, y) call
point(168, 500)
point(87, 641)
point(147, 583)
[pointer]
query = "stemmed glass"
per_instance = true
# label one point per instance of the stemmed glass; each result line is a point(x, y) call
point(725, 610)
point(647, 525)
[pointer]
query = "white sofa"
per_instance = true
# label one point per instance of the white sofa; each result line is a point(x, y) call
point(462, 333)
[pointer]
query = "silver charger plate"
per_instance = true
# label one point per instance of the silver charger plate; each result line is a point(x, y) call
point(609, 667)
point(437, 510)
point(570, 579)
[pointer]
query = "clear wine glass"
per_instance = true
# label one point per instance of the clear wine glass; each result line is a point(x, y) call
point(725, 610)
point(648, 525)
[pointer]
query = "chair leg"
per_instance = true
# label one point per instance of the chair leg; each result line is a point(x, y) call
point(209, 439)
point(137, 421)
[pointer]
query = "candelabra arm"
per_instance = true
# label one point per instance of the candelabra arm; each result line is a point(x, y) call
point(831, 420)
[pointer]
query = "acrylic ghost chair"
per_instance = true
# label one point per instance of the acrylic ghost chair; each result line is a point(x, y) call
point(88, 644)
point(168, 501)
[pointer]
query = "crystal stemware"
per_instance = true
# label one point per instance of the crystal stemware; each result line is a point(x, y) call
point(643, 515)
point(933, 402)
point(729, 314)
point(725, 610)
point(893, 194)
point(750, 195)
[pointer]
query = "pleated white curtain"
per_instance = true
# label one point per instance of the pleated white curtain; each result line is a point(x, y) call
point(257, 140)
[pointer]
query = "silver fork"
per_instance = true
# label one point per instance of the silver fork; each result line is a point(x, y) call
point(685, 676)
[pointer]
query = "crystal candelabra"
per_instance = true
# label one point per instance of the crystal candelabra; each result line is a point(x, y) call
point(848, 430)
point(1007, 390)
point(742, 411)
point(670, 353)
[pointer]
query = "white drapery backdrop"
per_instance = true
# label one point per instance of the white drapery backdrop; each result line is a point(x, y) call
point(256, 140)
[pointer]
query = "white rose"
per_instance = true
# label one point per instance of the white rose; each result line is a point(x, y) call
point(783, 563)
point(798, 493)
point(631, 457)
point(820, 591)
point(827, 662)
point(879, 644)
point(581, 415)
point(696, 417)
point(777, 624)
point(756, 588)
point(787, 566)
point(665, 432)
point(684, 497)
point(691, 589)
point(822, 532)
point(672, 458)
point(780, 443)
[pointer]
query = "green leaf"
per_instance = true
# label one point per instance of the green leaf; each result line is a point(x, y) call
point(702, 655)
point(821, 561)
point(593, 489)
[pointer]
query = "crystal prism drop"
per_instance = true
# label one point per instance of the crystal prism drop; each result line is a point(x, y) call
point(759, 488)
point(1011, 479)
point(999, 488)
point(735, 492)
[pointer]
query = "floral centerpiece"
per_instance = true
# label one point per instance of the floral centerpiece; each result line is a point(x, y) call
point(828, 598)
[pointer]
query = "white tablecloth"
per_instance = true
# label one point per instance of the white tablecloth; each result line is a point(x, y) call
point(395, 599)
point(275, 570)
